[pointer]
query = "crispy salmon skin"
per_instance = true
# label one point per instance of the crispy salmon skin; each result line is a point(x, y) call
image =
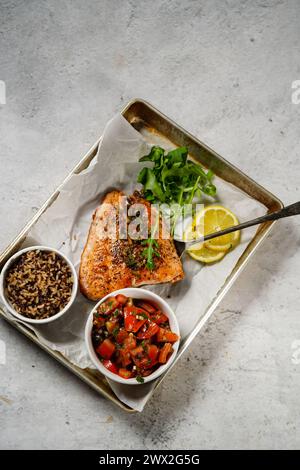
point(109, 263)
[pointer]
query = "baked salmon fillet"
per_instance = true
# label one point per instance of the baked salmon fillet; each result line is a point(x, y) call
point(109, 263)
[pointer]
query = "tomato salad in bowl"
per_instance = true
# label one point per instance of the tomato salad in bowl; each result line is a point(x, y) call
point(132, 336)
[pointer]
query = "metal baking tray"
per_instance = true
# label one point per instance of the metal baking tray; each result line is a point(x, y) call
point(150, 122)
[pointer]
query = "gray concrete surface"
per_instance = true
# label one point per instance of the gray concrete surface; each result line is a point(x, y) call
point(224, 71)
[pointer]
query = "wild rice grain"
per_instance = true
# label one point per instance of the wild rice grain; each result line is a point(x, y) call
point(39, 284)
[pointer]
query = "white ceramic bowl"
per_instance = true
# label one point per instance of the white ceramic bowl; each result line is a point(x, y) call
point(8, 304)
point(135, 293)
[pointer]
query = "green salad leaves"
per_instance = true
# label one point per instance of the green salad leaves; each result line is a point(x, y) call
point(150, 251)
point(173, 178)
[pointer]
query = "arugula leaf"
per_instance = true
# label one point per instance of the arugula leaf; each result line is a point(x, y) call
point(150, 252)
point(178, 155)
point(151, 249)
point(142, 176)
point(174, 179)
point(155, 155)
point(140, 379)
point(151, 184)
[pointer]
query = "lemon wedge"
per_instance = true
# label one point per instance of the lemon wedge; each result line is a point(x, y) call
point(209, 220)
point(201, 253)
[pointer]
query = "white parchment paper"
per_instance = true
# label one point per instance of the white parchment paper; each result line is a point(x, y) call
point(65, 226)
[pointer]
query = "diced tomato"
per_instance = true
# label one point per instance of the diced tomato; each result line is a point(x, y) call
point(108, 306)
point(137, 336)
point(111, 325)
point(110, 366)
point(166, 336)
point(106, 349)
point(121, 336)
point(132, 323)
point(125, 357)
point(158, 317)
point(123, 354)
point(145, 363)
point(149, 329)
point(126, 374)
point(121, 299)
point(98, 321)
point(147, 306)
point(152, 351)
point(138, 355)
point(164, 353)
point(148, 361)
point(139, 351)
point(129, 342)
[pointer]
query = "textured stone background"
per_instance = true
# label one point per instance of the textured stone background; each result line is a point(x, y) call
point(223, 70)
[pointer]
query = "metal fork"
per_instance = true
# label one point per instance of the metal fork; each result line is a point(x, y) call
point(288, 211)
